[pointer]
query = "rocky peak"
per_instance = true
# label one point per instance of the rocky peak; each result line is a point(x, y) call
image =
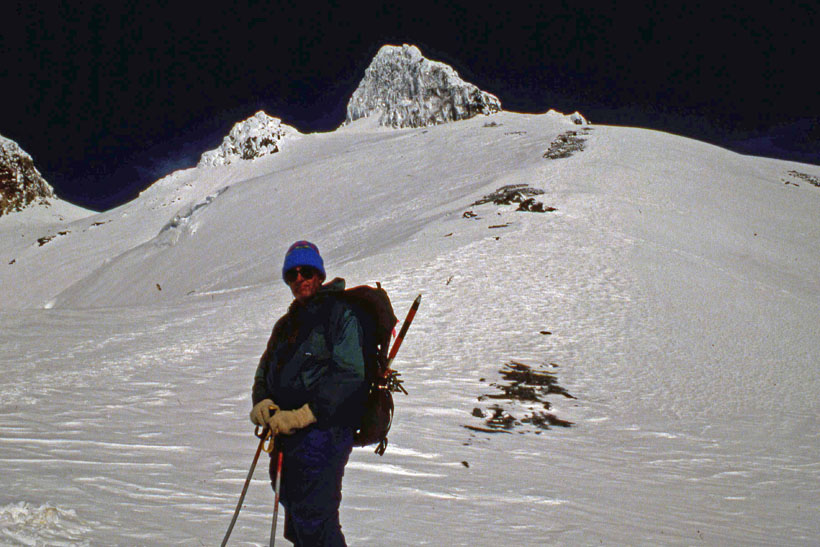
point(578, 119)
point(20, 183)
point(258, 136)
point(404, 89)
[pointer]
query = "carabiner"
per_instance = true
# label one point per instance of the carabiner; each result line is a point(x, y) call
point(265, 435)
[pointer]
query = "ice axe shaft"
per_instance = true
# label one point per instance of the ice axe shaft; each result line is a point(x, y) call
point(262, 438)
point(276, 490)
point(406, 325)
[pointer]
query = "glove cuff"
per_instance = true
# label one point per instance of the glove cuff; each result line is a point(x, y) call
point(305, 415)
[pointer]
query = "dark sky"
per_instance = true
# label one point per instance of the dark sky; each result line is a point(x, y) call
point(107, 99)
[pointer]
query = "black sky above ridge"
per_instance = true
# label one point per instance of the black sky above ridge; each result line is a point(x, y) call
point(107, 99)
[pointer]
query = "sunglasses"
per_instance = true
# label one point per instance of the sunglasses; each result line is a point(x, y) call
point(305, 271)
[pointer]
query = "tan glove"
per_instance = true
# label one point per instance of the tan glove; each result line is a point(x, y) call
point(261, 412)
point(286, 422)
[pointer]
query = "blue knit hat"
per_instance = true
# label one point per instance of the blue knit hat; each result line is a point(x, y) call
point(303, 253)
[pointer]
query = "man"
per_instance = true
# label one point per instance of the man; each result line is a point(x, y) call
point(310, 389)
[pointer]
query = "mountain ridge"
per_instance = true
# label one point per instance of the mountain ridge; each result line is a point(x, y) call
point(294, 193)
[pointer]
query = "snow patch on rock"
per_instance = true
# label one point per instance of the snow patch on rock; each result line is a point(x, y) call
point(403, 89)
point(258, 136)
point(21, 184)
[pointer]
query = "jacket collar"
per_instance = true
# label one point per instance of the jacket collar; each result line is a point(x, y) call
point(332, 287)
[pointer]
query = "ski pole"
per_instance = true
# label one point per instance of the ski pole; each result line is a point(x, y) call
point(276, 489)
point(263, 436)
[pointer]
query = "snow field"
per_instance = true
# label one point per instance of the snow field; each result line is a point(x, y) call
point(688, 341)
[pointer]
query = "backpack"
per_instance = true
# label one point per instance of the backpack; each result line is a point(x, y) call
point(374, 311)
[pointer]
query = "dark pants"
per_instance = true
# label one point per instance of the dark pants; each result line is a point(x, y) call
point(313, 464)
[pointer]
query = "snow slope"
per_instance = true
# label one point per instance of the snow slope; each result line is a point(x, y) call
point(677, 281)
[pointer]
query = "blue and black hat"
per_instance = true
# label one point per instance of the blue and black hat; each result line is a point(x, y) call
point(303, 253)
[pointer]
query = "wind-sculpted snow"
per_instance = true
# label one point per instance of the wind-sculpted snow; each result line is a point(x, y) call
point(184, 221)
point(403, 89)
point(23, 523)
point(21, 184)
point(258, 136)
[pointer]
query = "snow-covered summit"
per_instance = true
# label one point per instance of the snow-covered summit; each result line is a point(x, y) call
point(578, 118)
point(403, 89)
point(258, 136)
point(21, 184)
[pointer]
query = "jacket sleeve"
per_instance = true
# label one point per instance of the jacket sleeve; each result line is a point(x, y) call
point(260, 388)
point(342, 385)
point(260, 378)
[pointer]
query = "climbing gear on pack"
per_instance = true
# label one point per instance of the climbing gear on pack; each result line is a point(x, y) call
point(384, 381)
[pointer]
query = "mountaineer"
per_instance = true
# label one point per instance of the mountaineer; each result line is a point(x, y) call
point(309, 390)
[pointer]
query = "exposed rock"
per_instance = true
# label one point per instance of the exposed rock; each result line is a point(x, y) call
point(45, 239)
point(258, 136)
point(511, 193)
point(404, 89)
point(815, 181)
point(532, 206)
point(575, 118)
point(565, 146)
point(21, 184)
point(525, 391)
point(516, 193)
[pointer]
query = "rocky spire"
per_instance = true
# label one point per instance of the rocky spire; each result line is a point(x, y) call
point(404, 89)
point(259, 135)
point(20, 182)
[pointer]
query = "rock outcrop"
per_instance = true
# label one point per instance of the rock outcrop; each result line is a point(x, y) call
point(403, 89)
point(21, 185)
point(258, 136)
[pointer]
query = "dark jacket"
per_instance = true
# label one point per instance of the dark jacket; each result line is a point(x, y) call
point(314, 356)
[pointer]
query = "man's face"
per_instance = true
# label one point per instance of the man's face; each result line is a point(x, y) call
point(304, 282)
